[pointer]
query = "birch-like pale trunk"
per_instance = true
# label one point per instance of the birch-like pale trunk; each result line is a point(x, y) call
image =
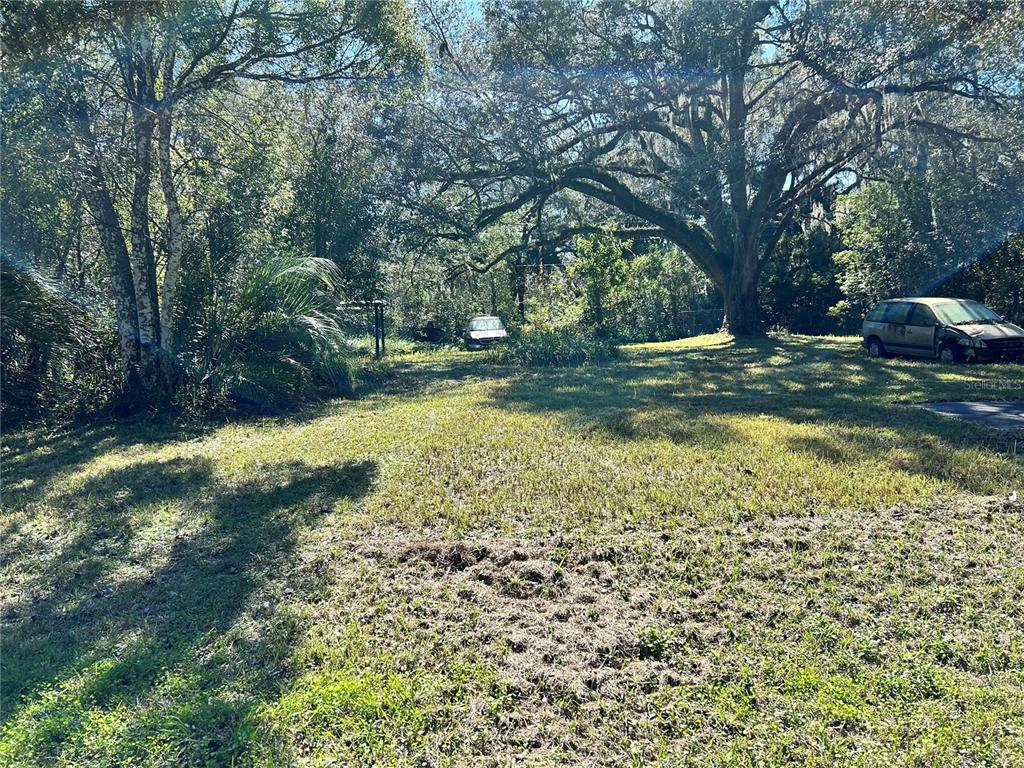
point(140, 80)
point(172, 269)
point(143, 261)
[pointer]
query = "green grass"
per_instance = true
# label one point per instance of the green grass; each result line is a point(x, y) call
point(759, 554)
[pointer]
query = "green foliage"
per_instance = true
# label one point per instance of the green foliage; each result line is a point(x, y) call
point(886, 254)
point(664, 296)
point(277, 339)
point(599, 268)
point(335, 211)
point(55, 358)
point(655, 294)
point(556, 346)
point(914, 233)
point(552, 301)
point(995, 279)
point(436, 285)
point(258, 317)
point(631, 294)
point(265, 158)
point(799, 285)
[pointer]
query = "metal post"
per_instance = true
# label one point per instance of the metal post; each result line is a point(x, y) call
point(382, 343)
point(376, 332)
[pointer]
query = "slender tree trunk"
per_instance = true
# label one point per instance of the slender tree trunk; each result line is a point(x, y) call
point(517, 276)
point(79, 259)
point(143, 261)
point(597, 303)
point(121, 281)
point(37, 248)
point(112, 242)
point(172, 270)
point(74, 224)
point(138, 70)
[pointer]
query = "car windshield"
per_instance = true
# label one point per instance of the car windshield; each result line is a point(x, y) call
point(964, 312)
point(485, 324)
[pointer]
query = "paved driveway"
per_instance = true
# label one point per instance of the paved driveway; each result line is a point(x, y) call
point(999, 415)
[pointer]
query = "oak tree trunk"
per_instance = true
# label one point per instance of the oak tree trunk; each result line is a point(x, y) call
point(742, 309)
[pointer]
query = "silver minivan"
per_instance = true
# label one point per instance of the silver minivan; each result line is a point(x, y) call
point(951, 330)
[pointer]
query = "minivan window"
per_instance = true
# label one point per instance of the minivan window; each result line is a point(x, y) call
point(485, 324)
point(921, 315)
point(960, 312)
point(897, 312)
point(876, 314)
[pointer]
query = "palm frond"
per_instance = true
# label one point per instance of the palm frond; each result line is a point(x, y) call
point(44, 337)
point(280, 339)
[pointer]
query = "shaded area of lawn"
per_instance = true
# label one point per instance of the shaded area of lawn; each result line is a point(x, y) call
point(799, 378)
point(128, 595)
point(821, 399)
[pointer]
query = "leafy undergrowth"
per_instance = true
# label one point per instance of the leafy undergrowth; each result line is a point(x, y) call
point(708, 553)
point(556, 347)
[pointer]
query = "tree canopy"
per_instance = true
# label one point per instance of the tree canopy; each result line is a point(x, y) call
point(114, 82)
point(705, 123)
point(198, 190)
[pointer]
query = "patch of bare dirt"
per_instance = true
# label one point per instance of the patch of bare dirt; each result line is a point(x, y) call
point(555, 618)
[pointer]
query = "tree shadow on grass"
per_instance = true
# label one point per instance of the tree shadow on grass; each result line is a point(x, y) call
point(112, 601)
point(33, 458)
point(693, 396)
point(411, 375)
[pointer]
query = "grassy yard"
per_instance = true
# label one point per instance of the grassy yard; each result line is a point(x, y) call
point(710, 553)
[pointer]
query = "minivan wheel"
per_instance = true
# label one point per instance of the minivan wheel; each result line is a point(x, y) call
point(875, 347)
point(948, 355)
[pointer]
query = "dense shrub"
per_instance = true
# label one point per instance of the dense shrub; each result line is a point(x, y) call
point(278, 339)
point(57, 360)
point(994, 279)
point(648, 293)
point(556, 347)
point(799, 286)
point(665, 297)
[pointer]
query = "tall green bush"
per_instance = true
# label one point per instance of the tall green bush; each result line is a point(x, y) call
point(599, 268)
point(277, 338)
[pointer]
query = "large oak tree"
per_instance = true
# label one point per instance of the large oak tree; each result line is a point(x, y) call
point(706, 123)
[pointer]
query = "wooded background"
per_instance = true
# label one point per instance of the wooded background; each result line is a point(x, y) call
point(190, 190)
